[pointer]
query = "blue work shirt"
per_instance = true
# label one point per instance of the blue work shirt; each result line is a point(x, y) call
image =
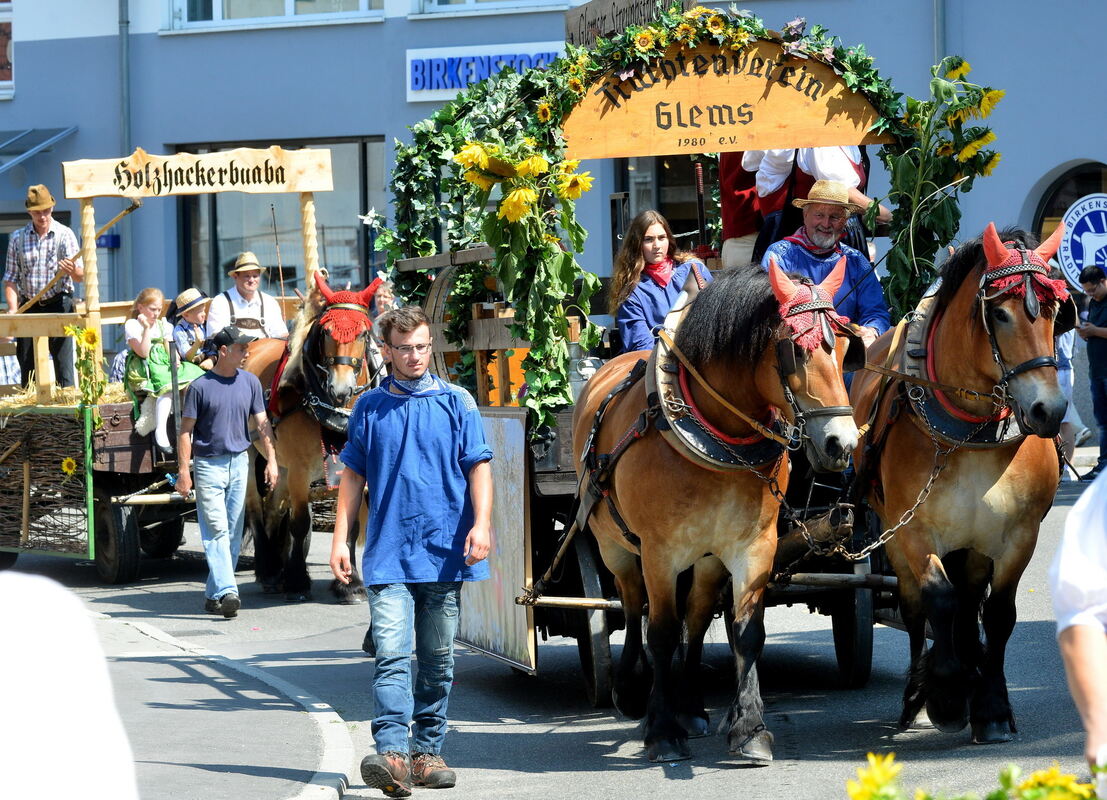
point(645, 308)
point(864, 306)
point(415, 452)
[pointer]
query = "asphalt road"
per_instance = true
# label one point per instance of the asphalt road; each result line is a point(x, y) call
point(513, 736)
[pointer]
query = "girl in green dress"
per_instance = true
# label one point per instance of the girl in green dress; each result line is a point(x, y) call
point(148, 378)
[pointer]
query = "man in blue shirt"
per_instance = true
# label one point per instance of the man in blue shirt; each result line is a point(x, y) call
point(814, 250)
point(1094, 332)
point(417, 443)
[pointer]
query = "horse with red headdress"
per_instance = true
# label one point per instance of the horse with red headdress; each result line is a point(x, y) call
point(683, 455)
point(961, 457)
point(330, 359)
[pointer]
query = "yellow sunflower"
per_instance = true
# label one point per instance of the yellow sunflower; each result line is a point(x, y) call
point(500, 168)
point(583, 60)
point(89, 337)
point(576, 86)
point(716, 23)
point(68, 465)
point(477, 179)
point(958, 115)
point(874, 779)
point(988, 102)
point(1062, 785)
point(549, 237)
point(944, 149)
point(992, 163)
point(535, 165)
point(568, 166)
point(959, 71)
point(473, 154)
point(684, 32)
point(738, 39)
point(697, 12)
point(571, 187)
point(973, 147)
point(543, 112)
point(517, 204)
point(644, 40)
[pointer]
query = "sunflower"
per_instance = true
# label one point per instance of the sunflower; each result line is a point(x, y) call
point(973, 147)
point(89, 337)
point(738, 39)
point(543, 112)
point(583, 60)
point(874, 780)
point(644, 40)
point(68, 465)
point(958, 115)
point(992, 163)
point(575, 86)
point(716, 23)
point(473, 154)
point(535, 165)
point(959, 71)
point(989, 100)
point(568, 166)
point(478, 179)
point(551, 239)
point(499, 168)
point(684, 32)
point(517, 204)
point(1061, 785)
point(944, 149)
point(571, 187)
point(697, 12)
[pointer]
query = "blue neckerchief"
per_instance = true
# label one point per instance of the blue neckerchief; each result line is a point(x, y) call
point(417, 386)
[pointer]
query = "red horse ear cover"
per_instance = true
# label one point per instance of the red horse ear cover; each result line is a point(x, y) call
point(783, 288)
point(321, 282)
point(1048, 248)
point(366, 295)
point(994, 251)
point(833, 282)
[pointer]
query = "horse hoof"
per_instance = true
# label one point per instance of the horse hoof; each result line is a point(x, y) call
point(353, 599)
point(668, 751)
point(995, 732)
point(297, 597)
point(948, 719)
point(695, 725)
point(756, 750)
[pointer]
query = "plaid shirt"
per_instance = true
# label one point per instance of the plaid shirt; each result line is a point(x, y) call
point(33, 259)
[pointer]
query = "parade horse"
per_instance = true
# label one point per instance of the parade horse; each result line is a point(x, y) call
point(973, 424)
point(757, 363)
point(329, 360)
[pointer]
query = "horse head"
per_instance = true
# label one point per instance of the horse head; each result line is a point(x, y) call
point(343, 337)
point(1020, 309)
point(814, 347)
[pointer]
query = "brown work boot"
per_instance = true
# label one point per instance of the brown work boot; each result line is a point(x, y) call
point(390, 772)
point(431, 771)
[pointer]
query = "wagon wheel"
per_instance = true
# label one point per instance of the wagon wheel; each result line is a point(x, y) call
point(593, 643)
point(852, 621)
point(162, 538)
point(117, 539)
point(434, 305)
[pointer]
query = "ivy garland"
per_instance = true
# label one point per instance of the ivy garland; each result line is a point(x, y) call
point(490, 165)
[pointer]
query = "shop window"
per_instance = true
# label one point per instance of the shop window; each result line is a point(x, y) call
point(209, 13)
point(1086, 179)
point(7, 75)
point(432, 6)
point(215, 228)
point(668, 185)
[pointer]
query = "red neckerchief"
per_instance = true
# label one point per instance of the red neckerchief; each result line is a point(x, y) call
point(661, 272)
point(800, 238)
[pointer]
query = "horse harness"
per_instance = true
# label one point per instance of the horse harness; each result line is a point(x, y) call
point(316, 398)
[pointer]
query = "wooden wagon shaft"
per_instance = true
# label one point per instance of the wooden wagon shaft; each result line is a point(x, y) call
point(25, 531)
point(837, 580)
point(151, 500)
point(579, 602)
point(136, 203)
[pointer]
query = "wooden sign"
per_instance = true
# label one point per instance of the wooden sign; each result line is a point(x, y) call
point(606, 17)
point(254, 171)
point(712, 100)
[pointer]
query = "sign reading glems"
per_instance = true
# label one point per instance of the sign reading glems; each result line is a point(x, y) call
point(255, 171)
point(714, 99)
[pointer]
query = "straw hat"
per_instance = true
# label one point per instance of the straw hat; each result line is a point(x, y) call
point(245, 262)
point(186, 301)
point(831, 193)
point(38, 198)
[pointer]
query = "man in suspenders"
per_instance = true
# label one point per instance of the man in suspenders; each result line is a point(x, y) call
point(245, 305)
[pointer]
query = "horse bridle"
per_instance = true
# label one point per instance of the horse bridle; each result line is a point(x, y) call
point(788, 364)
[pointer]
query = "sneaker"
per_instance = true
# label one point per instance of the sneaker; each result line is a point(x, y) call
point(431, 771)
point(390, 772)
point(229, 605)
point(213, 605)
point(1082, 437)
point(1093, 473)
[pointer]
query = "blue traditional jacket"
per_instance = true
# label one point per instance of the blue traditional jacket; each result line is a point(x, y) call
point(644, 310)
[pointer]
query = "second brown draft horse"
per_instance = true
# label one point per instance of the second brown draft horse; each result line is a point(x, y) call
point(978, 429)
point(751, 343)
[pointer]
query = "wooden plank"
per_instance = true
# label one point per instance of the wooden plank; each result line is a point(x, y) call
point(37, 324)
point(492, 334)
point(479, 253)
point(244, 169)
point(422, 262)
point(479, 312)
point(713, 99)
point(44, 375)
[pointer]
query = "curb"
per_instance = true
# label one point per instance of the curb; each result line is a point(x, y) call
point(331, 778)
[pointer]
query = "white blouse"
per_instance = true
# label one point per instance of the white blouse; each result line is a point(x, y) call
point(1078, 574)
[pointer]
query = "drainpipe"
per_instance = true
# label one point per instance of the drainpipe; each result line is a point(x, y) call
point(123, 274)
point(939, 30)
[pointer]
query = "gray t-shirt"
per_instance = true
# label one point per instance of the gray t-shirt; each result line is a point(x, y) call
point(222, 408)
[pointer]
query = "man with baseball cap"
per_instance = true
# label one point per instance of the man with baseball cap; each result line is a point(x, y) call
point(245, 305)
point(815, 248)
point(37, 252)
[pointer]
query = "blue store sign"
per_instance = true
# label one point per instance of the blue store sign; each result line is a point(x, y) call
point(1085, 239)
point(436, 74)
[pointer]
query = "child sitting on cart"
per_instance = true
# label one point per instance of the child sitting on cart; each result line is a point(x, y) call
point(188, 313)
point(148, 376)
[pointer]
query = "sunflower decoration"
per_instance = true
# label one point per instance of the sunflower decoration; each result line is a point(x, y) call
point(989, 100)
point(644, 41)
point(685, 33)
point(543, 112)
point(575, 86)
point(991, 164)
point(716, 24)
point(982, 137)
point(571, 185)
point(68, 466)
point(958, 68)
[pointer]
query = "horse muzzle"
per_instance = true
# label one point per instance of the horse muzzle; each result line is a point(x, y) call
point(831, 437)
point(1040, 414)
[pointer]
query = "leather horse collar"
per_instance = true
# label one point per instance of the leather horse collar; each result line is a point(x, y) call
point(317, 399)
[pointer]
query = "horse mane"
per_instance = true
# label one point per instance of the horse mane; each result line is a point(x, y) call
point(309, 312)
point(970, 255)
point(732, 320)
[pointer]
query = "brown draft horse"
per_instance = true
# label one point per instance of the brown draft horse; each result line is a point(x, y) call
point(736, 335)
point(331, 361)
point(960, 558)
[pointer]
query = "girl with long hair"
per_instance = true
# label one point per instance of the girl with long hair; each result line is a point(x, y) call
point(648, 276)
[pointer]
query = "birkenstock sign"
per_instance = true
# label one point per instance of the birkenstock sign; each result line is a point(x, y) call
point(255, 171)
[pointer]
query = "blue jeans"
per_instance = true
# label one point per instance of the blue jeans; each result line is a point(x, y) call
point(1099, 406)
point(220, 484)
point(426, 613)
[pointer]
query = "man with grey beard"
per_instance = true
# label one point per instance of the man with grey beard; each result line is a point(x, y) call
point(814, 249)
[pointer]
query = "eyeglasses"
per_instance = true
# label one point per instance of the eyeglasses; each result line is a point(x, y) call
point(408, 349)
